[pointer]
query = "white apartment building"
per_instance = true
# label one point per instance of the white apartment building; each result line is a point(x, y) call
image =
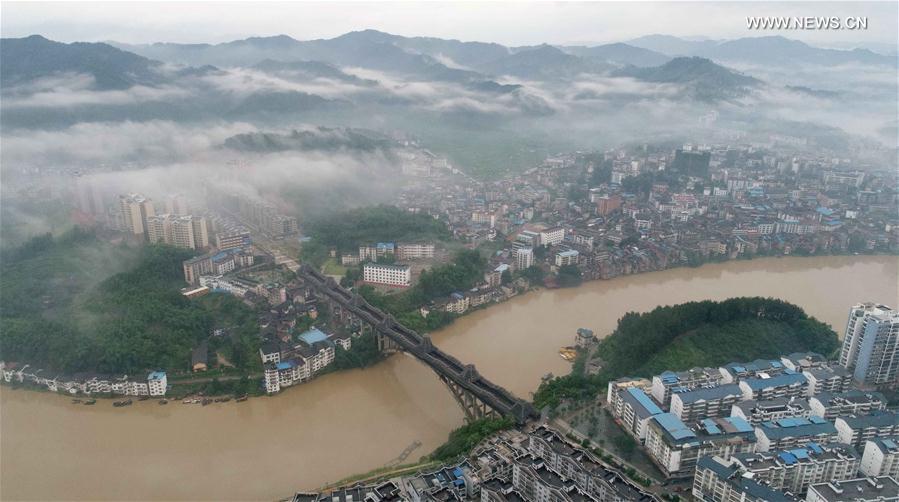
point(135, 209)
point(524, 258)
point(552, 236)
point(157, 383)
point(566, 257)
point(391, 275)
point(414, 251)
point(871, 344)
point(881, 457)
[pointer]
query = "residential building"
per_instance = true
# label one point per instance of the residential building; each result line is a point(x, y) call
point(135, 209)
point(635, 410)
point(391, 275)
point(855, 430)
point(760, 368)
point(882, 489)
point(566, 257)
point(667, 382)
point(157, 383)
point(792, 432)
point(232, 240)
point(674, 447)
point(871, 344)
point(719, 480)
point(827, 379)
point(853, 402)
point(794, 469)
point(763, 388)
point(411, 251)
point(801, 361)
point(756, 412)
point(524, 258)
point(881, 457)
point(552, 236)
point(705, 402)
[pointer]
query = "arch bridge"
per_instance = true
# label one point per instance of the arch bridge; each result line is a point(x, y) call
point(477, 396)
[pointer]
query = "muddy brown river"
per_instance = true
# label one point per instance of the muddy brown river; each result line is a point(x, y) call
point(356, 421)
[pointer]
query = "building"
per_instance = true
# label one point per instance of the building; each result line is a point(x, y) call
point(409, 251)
point(199, 357)
point(232, 240)
point(552, 236)
point(180, 231)
point(391, 275)
point(157, 383)
point(675, 448)
point(719, 480)
point(856, 430)
point(881, 457)
point(705, 402)
point(882, 489)
point(635, 410)
point(793, 470)
point(524, 258)
point(789, 433)
point(854, 402)
point(756, 412)
point(801, 361)
point(788, 384)
point(566, 257)
point(827, 379)
point(135, 209)
point(665, 384)
point(606, 204)
point(871, 344)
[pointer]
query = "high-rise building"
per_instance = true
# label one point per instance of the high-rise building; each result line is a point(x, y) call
point(177, 205)
point(181, 231)
point(135, 209)
point(524, 258)
point(871, 344)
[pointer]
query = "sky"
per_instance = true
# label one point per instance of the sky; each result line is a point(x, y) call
point(509, 23)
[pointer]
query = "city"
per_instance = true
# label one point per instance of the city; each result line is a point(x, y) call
point(378, 266)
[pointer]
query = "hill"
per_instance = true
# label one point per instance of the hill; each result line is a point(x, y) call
point(705, 79)
point(623, 54)
point(694, 334)
point(24, 60)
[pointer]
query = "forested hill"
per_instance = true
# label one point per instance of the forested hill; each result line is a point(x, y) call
point(75, 303)
point(688, 335)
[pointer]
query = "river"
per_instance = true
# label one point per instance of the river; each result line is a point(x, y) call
point(355, 421)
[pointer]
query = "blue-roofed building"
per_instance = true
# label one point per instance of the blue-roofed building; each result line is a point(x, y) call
point(666, 383)
point(675, 447)
point(313, 335)
point(734, 372)
point(787, 384)
point(717, 479)
point(691, 405)
point(794, 432)
point(157, 383)
point(636, 410)
point(796, 468)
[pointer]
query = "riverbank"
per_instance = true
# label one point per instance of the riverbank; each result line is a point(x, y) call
point(268, 448)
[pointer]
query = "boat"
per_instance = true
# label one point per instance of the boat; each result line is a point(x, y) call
point(163, 401)
point(143, 398)
point(225, 399)
point(76, 401)
point(206, 401)
point(568, 353)
point(119, 404)
point(242, 398)
point(91, 402)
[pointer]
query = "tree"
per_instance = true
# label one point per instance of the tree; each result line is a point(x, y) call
point(506, 277)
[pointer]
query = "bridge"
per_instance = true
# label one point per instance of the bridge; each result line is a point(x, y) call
point(478, 397)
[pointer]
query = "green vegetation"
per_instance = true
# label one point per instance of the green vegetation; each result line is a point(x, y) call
point(462, 440)
point(569, 276)
point(459, 275)
point(347, 230)
point(59, 313)
point(693, 334)
point(362, 354)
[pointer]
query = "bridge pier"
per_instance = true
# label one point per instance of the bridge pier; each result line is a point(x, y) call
point(472, 407)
